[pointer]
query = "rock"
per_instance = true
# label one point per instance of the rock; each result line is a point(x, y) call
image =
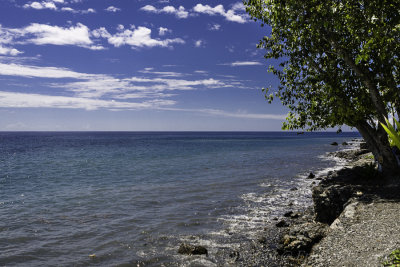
point(350, 154)
point(345, 144)
point(234, 255)
point(363, 145)
point(192, 250)
point(288, 214)
point(262, 240)
point(295, 215)
point(294, 189)
point(282, 223)
point(302, 237)
point(334, 144)
point(311, 176)
point(329, 201)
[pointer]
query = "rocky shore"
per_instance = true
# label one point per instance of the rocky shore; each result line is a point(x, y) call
point(354, 221)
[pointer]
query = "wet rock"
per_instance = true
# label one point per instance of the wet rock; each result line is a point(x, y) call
point(294, 189)
point(282, 223)
point(311, 176)
point(334, 144)
point(345, 144)
point(192, 250)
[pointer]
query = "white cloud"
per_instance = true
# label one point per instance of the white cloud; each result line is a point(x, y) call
point(162, 31)
point(214, 27)
point(9, 51)
point(179, 12)
point(199, 43)
point(239, 114)
point(99, 85)
point(75, 11)
point(112, 9)
point(243, 63)
point(245, 115)
point(40, 72)
point(229, 15)
point(21, 100)
point(42, 5)
point(136, 38)
point(45, 34)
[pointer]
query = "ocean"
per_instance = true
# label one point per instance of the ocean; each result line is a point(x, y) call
point(131, 198)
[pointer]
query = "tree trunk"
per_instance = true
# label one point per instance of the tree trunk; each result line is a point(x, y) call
point(378, 143)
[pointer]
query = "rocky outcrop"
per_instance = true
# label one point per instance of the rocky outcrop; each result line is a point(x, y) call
point(350, 154)
point(329, 201)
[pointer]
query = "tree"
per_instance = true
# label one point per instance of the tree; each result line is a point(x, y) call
point(339, 64)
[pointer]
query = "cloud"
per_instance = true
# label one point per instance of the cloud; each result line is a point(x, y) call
point(9, 51)
point(199, 43)
point(78, 35)
point(179, 12)
point(240, 115)
point(229, 15)
point(43, 34)
point(243, 63)
point(69, 9)
point(100, 85)
point(51, 4)
point(42, 5)
point(40, 72)
point(136, 38)
point(112, 9)
point(21, 100)
point(214, 27)
point(162, 31)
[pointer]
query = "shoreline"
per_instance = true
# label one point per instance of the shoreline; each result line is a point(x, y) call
point(343, 202)
point(264, 248)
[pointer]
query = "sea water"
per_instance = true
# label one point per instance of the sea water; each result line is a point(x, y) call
point(131, 198)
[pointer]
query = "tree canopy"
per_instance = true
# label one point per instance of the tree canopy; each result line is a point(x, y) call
point(339, 63)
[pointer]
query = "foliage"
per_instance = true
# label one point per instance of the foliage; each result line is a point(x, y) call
point(338, 63)
point(394, 136)
point(394, 259)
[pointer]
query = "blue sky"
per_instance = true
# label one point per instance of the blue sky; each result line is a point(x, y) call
point(133, 65)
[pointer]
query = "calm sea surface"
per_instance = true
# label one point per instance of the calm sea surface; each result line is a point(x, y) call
point(132, 198)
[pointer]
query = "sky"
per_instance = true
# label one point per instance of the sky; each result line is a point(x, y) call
point(133, 65)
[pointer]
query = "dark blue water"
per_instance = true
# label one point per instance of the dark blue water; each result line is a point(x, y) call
point(132, 198)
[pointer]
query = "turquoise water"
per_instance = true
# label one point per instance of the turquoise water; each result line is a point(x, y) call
point(132, 198)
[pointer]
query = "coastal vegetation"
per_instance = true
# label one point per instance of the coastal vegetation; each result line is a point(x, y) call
point(394, 259)
point(338, 65)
